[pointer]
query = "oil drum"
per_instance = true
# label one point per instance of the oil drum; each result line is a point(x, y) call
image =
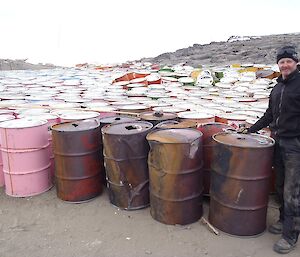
point(240, 180)
point(208, 130)
point(106, 121)
point(26, 160)
point(3, 117)
point(175, 170)
point(172, 124)
point(116, 119)
point(125, 158)
point(78, 168)
point(199, 117)
point(157, 117)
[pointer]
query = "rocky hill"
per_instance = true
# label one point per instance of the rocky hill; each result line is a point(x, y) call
point(236, 49)
point(22, 64)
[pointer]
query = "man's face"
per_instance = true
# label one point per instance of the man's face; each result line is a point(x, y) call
point(287, 66)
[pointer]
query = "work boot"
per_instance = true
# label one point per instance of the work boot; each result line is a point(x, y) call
point(276, 228)
point(282, 246)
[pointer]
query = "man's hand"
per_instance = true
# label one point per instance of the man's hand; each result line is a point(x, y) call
point(243, 131)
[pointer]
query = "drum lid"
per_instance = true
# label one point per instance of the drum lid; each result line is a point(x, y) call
point(182, 136)
point(243, 140)
point(127, 128)
point(80, 125)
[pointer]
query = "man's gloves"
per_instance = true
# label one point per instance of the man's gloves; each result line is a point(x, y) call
point(243, 131)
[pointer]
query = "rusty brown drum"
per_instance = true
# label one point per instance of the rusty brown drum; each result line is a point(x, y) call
point(208, 130)
point(175, 169)
point(116, 119)
point(157, 117)
point(240, 180)
point(110, 120)
point(77, 160)
point(125, 158)
point(172, 124)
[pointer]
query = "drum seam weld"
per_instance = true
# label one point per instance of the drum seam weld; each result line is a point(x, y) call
point(9, 166)
point(178, 200)
point(199, 168)
point(27, 172)
point(78, 178)
point(23, 150)
point(237, 207)
point(77, 154)
point(241, 178)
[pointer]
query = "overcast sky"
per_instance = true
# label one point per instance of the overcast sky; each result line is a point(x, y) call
point(66, 32)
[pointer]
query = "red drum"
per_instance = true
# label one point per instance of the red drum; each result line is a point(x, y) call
point(208, 130)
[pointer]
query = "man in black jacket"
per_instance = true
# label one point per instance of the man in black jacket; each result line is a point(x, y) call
point(283, 118)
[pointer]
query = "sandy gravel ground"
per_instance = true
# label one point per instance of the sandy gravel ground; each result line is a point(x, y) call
point(43, 226)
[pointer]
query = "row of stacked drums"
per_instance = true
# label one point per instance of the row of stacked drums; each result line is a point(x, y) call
point(146, 163)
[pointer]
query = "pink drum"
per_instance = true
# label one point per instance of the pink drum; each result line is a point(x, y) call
point(25, 153)
point(52, 119)
point(3, 117)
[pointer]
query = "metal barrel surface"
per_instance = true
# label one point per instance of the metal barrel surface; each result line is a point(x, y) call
point(241, 171)
point(52, 120)
point(157, 117)
point(172, 124)
point(26, 159)
point(79, 115)
point(3, 117)
point(116, 119)
point(198, 117)
point(112, 120)
point(208, 130)
point(78, 168)
point(175, 170)
point(125, 157)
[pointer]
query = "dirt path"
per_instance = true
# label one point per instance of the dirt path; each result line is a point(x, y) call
point(45, 226)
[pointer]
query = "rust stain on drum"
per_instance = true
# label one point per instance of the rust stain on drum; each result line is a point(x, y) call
point(116, 119)
point(208, 130)
point(175, 170)
point(125, 157)
point(241, 171)
point(157, 117)
point(172, 124)
point(77, 160)
point(106, 121)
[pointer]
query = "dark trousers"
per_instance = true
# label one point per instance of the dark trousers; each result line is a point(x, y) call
point(287, 168)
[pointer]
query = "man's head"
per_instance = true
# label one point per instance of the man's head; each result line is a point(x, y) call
point(287, 60)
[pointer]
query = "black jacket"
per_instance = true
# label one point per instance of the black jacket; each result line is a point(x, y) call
point(283, 113)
